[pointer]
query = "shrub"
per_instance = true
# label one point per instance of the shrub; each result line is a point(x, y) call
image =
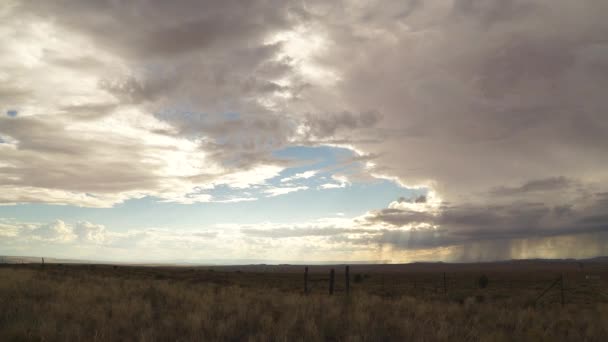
point(483, 281)
point(358, 278)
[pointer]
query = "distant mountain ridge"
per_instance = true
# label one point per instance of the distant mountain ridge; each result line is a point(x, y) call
point(238, 262)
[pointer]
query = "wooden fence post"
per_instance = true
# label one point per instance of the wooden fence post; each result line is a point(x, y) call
point(347, 279)
point(445, 286)
point(561, 287)
point(306, 280)
point(331, 281)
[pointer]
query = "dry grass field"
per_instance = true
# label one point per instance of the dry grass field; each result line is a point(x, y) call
point(267, 303)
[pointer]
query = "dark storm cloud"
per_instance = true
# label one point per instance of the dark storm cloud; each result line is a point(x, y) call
point(470, 223)
point(398, 217)
point(412, 239)
point(326, 125)
point(493, 11)
point(479, 94)
point(159, 29)
point(548, 184)
point(483, 101)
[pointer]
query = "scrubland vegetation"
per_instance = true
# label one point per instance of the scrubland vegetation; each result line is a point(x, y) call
point(105, 303)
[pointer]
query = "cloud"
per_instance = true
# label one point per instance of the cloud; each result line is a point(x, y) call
point(58, 231)
point(89, 232)
point(237, 199)
point(105, 120)
point(84, 234)
point(342, 182)
point(287, 232)
point(548, 184)
point(473, 95)
point(330, 186)
point(326, 125)
point(273, 191)
point(87, 240)
point(302, 175)
point(165, 106)
point(435, 109)
point(458, 224)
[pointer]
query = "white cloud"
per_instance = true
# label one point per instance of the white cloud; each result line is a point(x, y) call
point(330, 186)
point(237, 199)
point(302, 175)
point(282, 191)
point(245, 179)
point(9, 228)
point(89, 232)
point(342, 183)
point(56, 231)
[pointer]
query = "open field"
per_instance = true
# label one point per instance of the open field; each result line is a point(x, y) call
point(387, 302)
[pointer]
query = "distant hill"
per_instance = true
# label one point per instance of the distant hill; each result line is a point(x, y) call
point(597, 259)
point(38, 260)
point(270, 263)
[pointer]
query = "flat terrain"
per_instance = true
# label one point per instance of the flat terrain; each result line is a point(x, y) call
point(522, 301)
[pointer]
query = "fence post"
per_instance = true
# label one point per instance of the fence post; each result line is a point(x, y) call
point(445, 286)
point(561, 288)
point(331, 281)
point(306, 280)
point(347, 279)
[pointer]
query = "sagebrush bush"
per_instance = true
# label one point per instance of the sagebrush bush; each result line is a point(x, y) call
point(358, 278)
point(482, 281)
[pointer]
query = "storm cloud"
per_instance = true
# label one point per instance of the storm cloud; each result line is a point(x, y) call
point(462, 224)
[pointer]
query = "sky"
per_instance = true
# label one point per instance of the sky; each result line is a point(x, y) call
point(304, 131)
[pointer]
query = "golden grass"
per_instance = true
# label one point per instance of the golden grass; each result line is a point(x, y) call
point(38, 305)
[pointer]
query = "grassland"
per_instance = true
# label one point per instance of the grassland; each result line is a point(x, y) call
point(267, 303)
